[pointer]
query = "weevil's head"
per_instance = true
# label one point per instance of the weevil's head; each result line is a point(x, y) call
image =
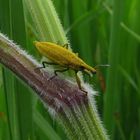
point(88, 69)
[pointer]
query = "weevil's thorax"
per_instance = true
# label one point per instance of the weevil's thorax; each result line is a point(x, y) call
point(75, 67)
point(75, 62)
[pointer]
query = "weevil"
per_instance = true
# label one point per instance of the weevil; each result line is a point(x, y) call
point(60, 55)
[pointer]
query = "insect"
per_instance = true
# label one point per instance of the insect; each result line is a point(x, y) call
point(60, 55)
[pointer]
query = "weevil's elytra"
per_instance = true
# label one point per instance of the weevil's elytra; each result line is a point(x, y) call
point(63, 57)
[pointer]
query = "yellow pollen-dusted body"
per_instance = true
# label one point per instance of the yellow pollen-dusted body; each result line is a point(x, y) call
point(62, 56)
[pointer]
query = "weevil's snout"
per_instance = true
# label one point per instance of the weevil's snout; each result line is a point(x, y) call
point(89, 70)
point(94, 72)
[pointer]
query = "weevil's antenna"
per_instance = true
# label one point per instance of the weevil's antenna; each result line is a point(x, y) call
point(102, 65)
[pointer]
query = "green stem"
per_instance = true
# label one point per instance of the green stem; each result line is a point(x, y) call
point(112, 97)
point(80, 121)
point(77, 112)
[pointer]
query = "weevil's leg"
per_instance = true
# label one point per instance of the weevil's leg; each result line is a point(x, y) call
point(56, 71)
point(63, 70)
point(49, 63)
point(79, 82)
point(66, 45)
point(43, 64)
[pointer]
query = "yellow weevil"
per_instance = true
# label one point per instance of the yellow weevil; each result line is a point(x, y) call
point(60, 55)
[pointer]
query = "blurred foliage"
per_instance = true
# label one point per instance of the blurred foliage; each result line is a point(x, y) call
point(96, 32)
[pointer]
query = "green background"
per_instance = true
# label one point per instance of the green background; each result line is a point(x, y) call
point(102, 32)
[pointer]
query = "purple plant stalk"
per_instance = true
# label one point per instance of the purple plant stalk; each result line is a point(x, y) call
point(76, 112)
point(51, 91)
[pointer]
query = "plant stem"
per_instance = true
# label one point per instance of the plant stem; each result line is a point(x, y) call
point(64, 97)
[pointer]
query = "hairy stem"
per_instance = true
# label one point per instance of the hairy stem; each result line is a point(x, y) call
point(72, 106)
